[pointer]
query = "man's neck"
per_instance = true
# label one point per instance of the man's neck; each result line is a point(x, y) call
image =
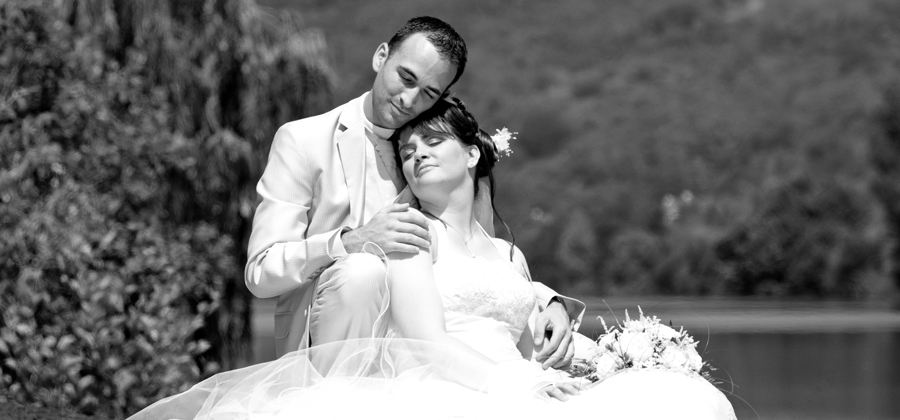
point(368, 110)
point(379, 131)
point(367, 107)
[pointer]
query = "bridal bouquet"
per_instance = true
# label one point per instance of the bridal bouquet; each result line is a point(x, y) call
point(641, 343)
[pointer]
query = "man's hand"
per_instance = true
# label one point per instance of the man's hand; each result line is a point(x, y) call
point(560, 349)
point(395, 228)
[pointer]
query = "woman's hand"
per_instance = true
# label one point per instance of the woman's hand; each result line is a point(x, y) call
point(559, 391)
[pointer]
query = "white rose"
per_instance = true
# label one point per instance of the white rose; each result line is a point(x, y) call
point(673, 357)
point(666, 333)
point(586, 346)
point(695, 362)
point(634, 325)
point(606, 363)
point(637, 346)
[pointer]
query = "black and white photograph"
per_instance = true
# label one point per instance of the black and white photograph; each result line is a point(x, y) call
point(457, 209)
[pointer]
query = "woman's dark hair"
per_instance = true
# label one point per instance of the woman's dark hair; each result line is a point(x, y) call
point(449, 116)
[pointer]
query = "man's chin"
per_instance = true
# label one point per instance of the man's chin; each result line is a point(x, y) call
point(394, 122)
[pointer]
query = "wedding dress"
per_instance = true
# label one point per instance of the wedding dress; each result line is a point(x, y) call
point(487, 305)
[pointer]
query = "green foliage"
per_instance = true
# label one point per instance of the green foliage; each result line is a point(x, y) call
point(885, 157)
point(631, 267)
point(813, 238)
point(619, 104)
point(131, 137)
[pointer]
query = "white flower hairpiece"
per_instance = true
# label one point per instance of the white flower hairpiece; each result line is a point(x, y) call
point(501, 141)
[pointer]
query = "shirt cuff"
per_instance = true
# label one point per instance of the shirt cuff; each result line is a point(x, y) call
point(335, 245)
point(559, 299)
point(574, 308)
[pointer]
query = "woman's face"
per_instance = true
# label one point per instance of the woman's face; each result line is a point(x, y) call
point(436, 164)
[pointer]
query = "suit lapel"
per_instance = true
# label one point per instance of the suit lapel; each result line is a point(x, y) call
point(350, 139)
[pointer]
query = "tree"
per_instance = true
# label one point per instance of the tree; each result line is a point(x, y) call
point(132, 134)
point(885, 155)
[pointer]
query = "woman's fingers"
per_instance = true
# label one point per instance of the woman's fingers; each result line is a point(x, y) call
point(560, 390)
point(566, 361)
point(559, 394)
point(562, 337)
point(571, 388)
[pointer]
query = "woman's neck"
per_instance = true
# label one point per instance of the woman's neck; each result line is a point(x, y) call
point(457, 211)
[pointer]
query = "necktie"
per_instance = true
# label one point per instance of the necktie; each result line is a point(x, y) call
point(380, 190)
point(385, 151)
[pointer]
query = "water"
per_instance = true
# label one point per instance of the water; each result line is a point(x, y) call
point(783, 360)
point(777, 360)
point(841, 375)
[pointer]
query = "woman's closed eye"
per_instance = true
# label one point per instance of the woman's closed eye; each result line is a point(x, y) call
point(406, 153)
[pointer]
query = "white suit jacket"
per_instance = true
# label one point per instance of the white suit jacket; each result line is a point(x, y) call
point(312, 187)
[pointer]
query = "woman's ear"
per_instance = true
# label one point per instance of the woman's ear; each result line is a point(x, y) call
point(474, 155)
point(380, 57)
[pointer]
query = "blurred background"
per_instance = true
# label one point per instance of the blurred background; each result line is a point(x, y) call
point(730, 165)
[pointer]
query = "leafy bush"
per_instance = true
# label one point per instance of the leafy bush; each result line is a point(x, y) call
point(885, 156)
point(812, 237)
point(131, 137)
point(632, 265)
point(618, 104)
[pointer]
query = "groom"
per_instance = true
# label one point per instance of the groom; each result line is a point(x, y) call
point(331, 186)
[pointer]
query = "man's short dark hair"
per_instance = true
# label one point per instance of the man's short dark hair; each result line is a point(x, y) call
point(446, 41)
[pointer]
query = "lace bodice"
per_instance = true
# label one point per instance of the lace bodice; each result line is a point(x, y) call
point(481, 287)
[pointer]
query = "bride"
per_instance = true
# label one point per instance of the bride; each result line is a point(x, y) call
point(447, 343)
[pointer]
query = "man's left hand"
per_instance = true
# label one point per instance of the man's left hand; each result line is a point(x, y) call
point(559, 350)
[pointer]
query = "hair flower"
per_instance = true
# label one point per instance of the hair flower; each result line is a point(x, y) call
point(501, 141)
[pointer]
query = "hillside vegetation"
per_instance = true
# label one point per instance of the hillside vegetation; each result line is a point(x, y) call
point(132, 135)
point(677, 147)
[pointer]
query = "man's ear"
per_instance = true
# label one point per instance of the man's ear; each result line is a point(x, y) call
point(474, 155)
point(380, 57)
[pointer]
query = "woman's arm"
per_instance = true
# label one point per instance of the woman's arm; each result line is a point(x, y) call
point(557, 350)
point(418, 311)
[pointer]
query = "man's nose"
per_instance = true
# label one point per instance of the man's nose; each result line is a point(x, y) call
point(408, 97)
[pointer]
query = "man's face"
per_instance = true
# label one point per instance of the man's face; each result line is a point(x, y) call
point(408, 82)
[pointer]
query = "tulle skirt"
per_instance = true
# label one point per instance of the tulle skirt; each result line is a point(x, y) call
point(410, 379)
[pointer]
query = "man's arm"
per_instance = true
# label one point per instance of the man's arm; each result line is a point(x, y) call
point(560, 322)
point(281, 257)
point(559, 315)
point(546, 296)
